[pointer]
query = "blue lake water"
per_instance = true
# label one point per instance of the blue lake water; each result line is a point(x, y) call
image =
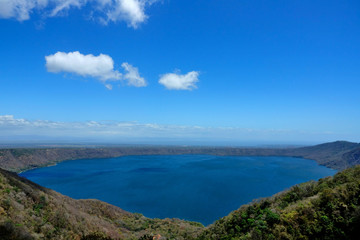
point(199, 188)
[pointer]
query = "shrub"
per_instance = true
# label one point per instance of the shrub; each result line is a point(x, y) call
point(96, 236)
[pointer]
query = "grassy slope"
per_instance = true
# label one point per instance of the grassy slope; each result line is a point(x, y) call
point(327, 209)
point(29, 211)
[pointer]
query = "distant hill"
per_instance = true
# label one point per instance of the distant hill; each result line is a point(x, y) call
point(29, 211)
point(352, 157)
point(327, 209)
point(337, 155)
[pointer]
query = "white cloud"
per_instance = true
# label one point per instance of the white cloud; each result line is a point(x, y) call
point(109, 86)
point(100, 67)
point(20, 129)
point(64, 5)
point(133, 76)
point(175, 81)
point(20, 9)
point(130, 11)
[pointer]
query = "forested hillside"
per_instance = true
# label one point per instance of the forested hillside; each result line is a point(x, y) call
point(327, 209)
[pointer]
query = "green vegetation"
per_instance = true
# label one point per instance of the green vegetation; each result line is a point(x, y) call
point(96, 236)
point(29, 211)
point(327, 209)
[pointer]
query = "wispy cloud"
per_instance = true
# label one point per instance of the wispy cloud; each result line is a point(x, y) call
point(20, 9)
point(100, 67)
point(174, 81)
point(130, 11)
point(62, 6)
point(124, 131)
point(132, 76)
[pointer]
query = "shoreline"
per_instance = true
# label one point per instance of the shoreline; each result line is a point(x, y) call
point(129, 164)
point(54, 164)
point(336, 155)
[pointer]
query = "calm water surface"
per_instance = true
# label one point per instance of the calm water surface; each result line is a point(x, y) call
point(200, 188)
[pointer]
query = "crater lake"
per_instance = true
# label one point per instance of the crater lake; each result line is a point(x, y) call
point(200, 188)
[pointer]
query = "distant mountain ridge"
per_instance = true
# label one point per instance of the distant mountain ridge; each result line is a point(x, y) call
point(337, 155)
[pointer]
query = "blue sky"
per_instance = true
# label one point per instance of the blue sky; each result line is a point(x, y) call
point(184, 71)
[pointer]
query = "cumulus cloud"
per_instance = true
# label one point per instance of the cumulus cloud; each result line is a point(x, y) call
point(174, 81)
point(100, 67)
point(130, 11)
point(133, 76)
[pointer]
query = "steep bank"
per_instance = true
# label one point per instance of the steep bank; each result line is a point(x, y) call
point(337, 155)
